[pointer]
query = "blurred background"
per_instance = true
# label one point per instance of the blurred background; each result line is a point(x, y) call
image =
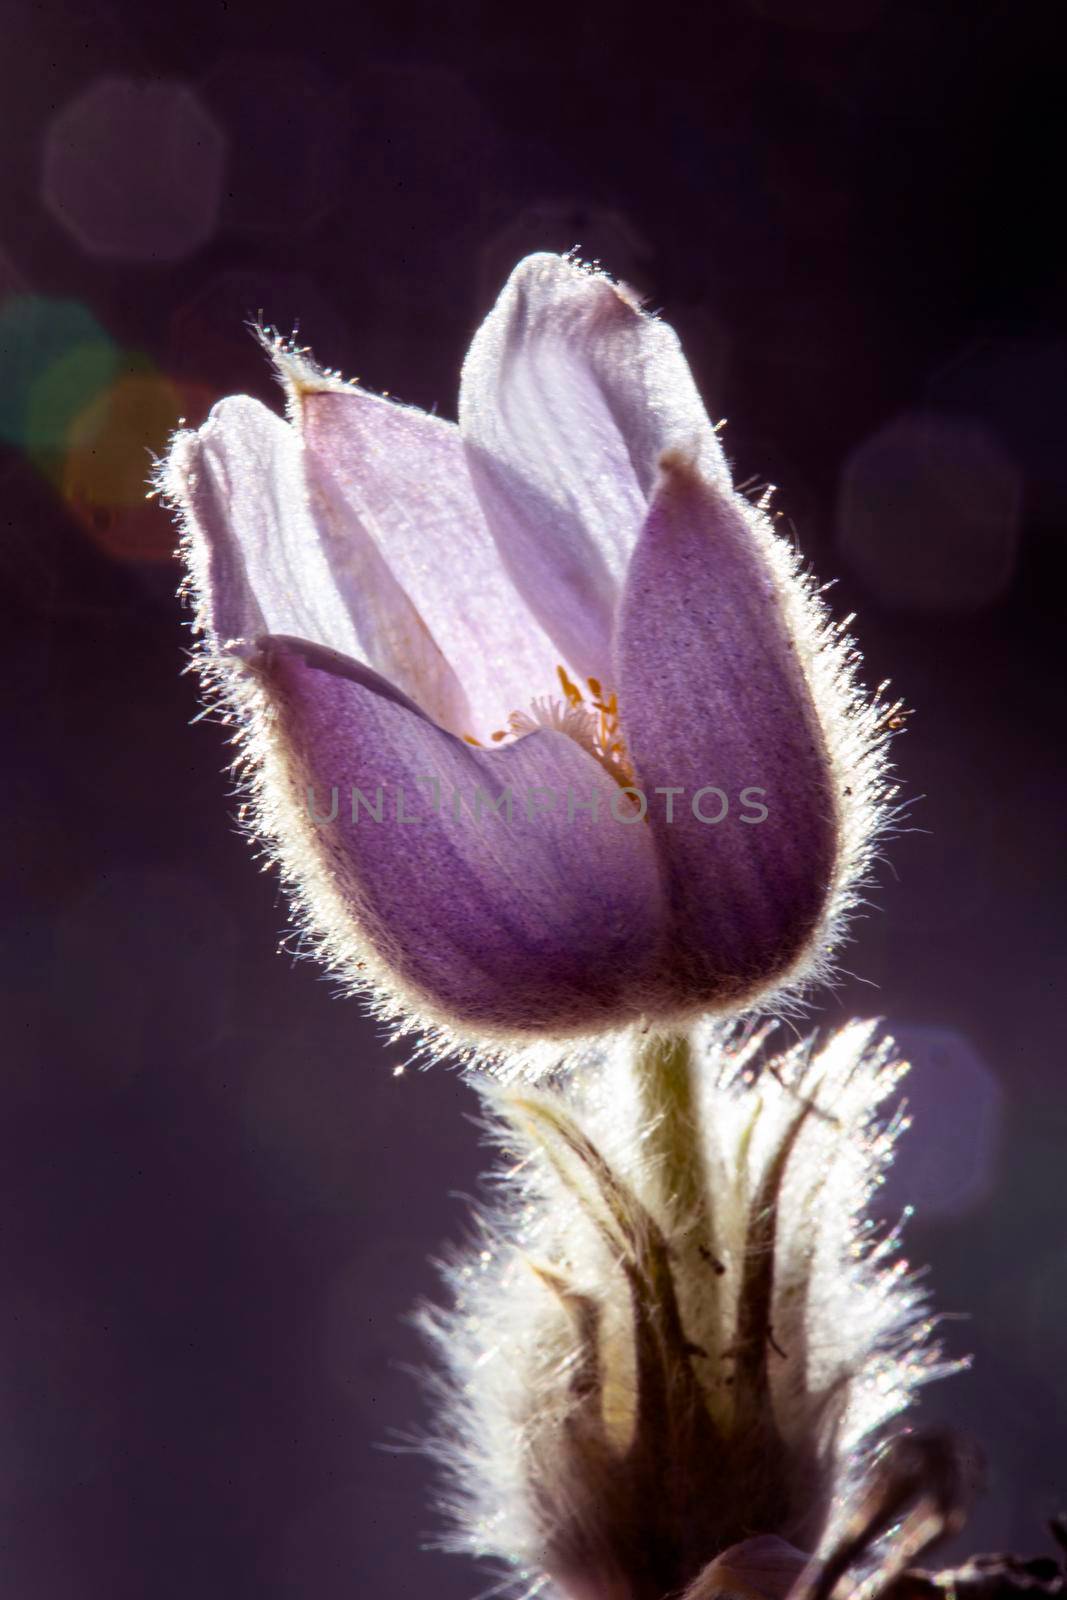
point(219, 1200)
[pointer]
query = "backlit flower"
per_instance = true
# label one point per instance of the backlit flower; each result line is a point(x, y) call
point(542, 721)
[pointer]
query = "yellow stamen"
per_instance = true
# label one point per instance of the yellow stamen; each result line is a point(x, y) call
point(594, 724)
point(572, 692)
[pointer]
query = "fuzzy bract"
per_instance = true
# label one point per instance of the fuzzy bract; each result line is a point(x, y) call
point(678, 1330)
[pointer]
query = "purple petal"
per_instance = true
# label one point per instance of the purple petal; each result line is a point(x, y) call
point(398, 479)
point(712, 694)
point(548, 921)
point(261, 562)
point(568, 398)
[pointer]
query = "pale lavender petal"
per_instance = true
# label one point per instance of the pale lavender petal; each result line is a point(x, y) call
point(265, 560)
point(712, 695)
point(549, 921)
point(400, 478)
point(257, 556)
point(569, 396)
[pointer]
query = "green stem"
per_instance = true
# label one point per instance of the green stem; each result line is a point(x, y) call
point(666, 1073)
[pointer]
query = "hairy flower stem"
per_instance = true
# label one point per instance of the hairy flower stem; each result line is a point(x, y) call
point(675, 1142)
point(672, 1122)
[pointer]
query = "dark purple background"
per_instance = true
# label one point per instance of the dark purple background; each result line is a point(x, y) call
point(218, 1201)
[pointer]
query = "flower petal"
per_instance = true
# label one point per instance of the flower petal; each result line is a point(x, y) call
point(546, 921)
point(400, 477)
point(262, 562)
point(712, 694)
point(762, 1568)
point(257, 558)
point(569, 395)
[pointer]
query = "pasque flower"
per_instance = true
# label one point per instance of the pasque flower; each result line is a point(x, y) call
point(676, 1346)
point(544, 724)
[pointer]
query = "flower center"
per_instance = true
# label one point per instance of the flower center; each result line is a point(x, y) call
point(591, 719)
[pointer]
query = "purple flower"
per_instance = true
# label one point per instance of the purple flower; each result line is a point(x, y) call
point(542, 722)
